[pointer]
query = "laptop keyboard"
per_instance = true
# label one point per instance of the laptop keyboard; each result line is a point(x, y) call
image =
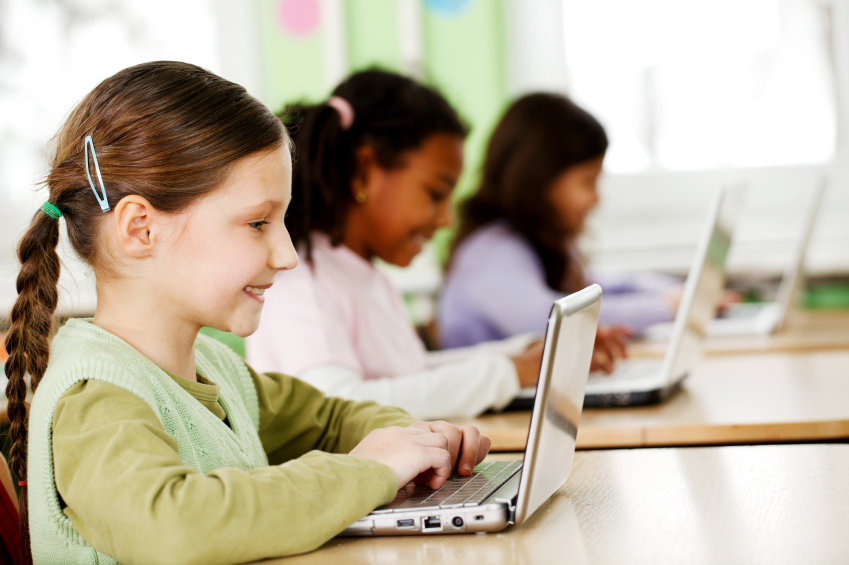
point(457, 490)
point(744, 311)
point(632, 370)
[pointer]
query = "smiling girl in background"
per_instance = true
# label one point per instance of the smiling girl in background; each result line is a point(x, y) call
point(148, 443)
point(515, 250)
point(374, 171)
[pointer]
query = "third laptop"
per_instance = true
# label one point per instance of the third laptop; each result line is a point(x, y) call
point(645, 381)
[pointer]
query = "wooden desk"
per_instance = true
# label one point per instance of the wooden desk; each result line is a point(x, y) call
point(771, 398)
point(755, 504)
point(804, 330)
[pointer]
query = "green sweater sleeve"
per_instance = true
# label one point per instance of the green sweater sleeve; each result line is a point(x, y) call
point(296, 417)
point(127, 492)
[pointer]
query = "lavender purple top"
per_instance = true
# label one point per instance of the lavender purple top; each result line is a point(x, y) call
point(496, 288)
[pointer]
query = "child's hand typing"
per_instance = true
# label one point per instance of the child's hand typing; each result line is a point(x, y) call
point(610, 345)
point(466, 445)
point(426, 451)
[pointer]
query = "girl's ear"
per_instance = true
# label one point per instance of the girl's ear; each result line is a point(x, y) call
point(364, 173)
point(136, 226)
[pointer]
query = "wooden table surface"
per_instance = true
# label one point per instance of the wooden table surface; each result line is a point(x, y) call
point(804, 330)
point(764, 398)
point(745, 504)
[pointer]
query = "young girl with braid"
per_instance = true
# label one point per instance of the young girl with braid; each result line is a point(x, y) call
point(146, 442)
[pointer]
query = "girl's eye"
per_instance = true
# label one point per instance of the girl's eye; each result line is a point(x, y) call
point(437, 196)
point(258, 225)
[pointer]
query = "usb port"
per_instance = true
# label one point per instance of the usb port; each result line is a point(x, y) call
point(432, 523)
point(406, 523)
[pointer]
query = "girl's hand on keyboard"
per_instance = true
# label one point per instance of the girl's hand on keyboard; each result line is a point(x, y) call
point(609, 346)
point(466, 445)
point(527, 364)
point(409, 452)
point(425, 451)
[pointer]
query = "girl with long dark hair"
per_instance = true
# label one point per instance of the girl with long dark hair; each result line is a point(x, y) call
point(515, 250)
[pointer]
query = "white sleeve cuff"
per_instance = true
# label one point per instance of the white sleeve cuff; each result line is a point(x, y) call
point(452, 390)
point(509, 347)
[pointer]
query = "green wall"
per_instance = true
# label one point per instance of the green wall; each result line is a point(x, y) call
point(463, 57)
point(372, 35)
point(465, 60)
point(293, 67)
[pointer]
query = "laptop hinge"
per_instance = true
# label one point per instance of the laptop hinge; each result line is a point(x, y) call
point(511, 510)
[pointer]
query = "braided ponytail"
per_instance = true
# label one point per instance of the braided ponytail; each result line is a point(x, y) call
point(28, 342)
point(167, 131)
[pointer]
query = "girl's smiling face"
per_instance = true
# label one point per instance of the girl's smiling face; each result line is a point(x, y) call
point(405, 205)
point(228, 248)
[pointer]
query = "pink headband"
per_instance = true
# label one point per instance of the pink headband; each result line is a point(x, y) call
point(346, 111)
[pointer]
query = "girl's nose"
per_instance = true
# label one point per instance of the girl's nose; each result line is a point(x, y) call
point(444, 215)
point(283, 255)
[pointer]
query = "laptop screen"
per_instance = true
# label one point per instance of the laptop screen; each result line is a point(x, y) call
point(705, 282)
point(565, 366)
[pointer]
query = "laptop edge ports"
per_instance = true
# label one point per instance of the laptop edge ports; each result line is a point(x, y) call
point(431, 523)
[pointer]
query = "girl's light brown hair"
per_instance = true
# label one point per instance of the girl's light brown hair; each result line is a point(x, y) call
point(167, 131)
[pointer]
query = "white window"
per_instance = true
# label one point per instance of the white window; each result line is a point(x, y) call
point(687, 85)
point(53, 53)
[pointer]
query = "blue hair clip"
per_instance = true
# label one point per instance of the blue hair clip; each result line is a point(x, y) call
point(104, 204)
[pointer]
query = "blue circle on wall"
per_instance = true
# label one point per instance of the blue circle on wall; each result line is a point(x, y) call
point(448, 7)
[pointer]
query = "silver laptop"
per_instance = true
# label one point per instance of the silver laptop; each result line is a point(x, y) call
point(501, 493)
point(764, 318)
point(646, 381)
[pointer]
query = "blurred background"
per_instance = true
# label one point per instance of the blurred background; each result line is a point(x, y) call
point(693, 94)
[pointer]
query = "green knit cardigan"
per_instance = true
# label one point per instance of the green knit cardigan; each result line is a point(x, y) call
point(83, 351)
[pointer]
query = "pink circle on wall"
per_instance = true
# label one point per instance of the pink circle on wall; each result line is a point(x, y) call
point(298, 17)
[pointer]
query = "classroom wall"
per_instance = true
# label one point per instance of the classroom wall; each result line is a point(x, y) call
point(480, 53)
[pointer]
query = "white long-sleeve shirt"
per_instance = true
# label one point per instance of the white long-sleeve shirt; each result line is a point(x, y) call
point(340, 325)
